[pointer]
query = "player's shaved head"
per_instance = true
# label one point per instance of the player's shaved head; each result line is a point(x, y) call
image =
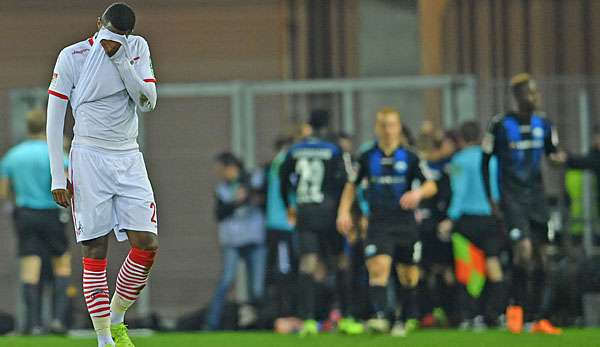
point(119, 17)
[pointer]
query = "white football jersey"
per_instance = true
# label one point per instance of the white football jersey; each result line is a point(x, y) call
point(105, 115)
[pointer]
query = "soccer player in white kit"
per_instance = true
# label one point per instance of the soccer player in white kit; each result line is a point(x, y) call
point(106, 79)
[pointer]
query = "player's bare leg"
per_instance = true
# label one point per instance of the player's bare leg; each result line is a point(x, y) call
point(379, 268)
point(95, 287)
point(132, 278)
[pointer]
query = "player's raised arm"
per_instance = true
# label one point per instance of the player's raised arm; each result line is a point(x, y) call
point(141, 89)
point(59, 93)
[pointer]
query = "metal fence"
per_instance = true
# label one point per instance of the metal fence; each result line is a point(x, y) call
point(195, 120)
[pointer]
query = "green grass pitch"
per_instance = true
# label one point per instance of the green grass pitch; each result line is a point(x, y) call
point(444, 338)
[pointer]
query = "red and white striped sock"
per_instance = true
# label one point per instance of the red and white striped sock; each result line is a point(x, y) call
point(95, 291)
point(132, 278)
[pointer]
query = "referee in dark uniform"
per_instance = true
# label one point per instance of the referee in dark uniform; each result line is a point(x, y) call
point(25, 172)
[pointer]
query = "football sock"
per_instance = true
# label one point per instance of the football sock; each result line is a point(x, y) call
point(429, 297)
point(95, 291)
point(495, 299)
point(61, 283)
point(342, 279)
point(534, 290)
point(519, 283)
point(468, 304)
point(307, 289)
point(378, 296)
point(132, 278)
point(31, 293)
point(409, 298)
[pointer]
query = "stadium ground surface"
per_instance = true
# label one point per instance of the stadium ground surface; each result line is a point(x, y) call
point(445, 338)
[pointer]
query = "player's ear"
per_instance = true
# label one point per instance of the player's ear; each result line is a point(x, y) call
point(99, 23)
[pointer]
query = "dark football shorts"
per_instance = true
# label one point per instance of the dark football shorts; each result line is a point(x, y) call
point(317, 234)
point(482, 231)
point(40, 232)
point(522, 223)
point(435, 251)
point(397, 240)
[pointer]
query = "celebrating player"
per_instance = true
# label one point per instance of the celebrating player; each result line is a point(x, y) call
point(391, 170)
point(519, 140)
point(317, 170)
point(106, 79)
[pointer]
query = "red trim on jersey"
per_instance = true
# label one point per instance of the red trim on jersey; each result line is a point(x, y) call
point(152, 80)
point(91, 40)
point(57, 94)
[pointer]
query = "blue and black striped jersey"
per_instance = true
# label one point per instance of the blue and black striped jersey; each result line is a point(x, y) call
point(315, 170)
point(388, 177)
point(519, 145)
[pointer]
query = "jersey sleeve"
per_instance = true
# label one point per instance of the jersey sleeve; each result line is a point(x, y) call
point(144, 64)
point(362, 170)
point(490, 137)
point(341, 167)
point(551, 138)
point(62, 82)
point(418, 170)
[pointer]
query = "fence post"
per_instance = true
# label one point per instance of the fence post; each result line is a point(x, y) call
point(584, 122)
point(348, 110)
point(447, 111)
point(249, 127)
point(236, 119)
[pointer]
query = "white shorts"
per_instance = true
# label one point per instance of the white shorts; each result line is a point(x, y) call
point(111, 191)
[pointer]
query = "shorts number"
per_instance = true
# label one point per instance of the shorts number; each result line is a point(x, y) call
point(417, 251)
point(153, 208)
point(311, 173)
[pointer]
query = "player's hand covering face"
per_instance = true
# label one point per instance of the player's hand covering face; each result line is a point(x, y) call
point(110, 41)
point(110, 47)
